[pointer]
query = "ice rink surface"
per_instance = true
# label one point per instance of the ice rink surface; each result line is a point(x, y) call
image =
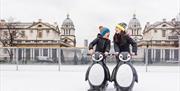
point(72, 78)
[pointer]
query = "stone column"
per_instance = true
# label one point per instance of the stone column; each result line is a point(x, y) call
point(33, 53)
point(179, 46)
point(50, 52)
point(25, 54)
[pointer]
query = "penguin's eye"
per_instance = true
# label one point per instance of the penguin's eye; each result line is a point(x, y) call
point(93, 56)
point(128, 56)
point(100, 56)
point(120, 56)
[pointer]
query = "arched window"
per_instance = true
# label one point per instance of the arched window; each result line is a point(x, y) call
point(137, 32)
point(132, 32)
point(164, 25)
point(69, 32)
point(163, 33)
point(66, 31)
point(40, 34)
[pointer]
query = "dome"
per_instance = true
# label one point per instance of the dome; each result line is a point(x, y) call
point(178, 17)
point(134, 23)
point(67, 21)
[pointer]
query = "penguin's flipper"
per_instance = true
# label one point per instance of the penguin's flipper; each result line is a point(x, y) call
point(113, 74)
point(87, 72)
point(135, 74)
point(107, 72)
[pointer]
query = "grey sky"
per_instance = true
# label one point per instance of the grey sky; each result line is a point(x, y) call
point(87, 15)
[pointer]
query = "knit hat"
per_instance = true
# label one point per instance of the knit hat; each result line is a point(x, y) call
point(104, 31)
point(121, 26)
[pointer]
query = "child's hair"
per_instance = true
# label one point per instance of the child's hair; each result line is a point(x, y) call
point(120, 38)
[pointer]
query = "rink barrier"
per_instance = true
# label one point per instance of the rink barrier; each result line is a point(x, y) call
point(78, 56)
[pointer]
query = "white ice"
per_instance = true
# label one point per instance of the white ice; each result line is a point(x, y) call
point(72, 78)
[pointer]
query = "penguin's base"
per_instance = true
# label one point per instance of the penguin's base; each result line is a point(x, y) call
point(103, 87)
point(97, 89)
point(123, 89)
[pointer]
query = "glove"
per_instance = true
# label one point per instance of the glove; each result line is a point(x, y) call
point(91, 51)
point(116, 53)
point(106, 53)
point(135, 53)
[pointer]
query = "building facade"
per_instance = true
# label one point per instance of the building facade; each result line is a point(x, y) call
point(37, 34)
point(162, 39)
point(164, 34)
point(35, 39)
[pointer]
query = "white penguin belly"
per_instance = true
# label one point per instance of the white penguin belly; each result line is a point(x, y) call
point(96, 75)
point(124, 76)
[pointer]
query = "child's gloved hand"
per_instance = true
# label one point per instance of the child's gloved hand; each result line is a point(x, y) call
point(91, 51)
point(106, 53)
point(116, 53)
point(134, 54)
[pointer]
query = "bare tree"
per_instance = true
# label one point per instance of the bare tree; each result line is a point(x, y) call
point(9, 34)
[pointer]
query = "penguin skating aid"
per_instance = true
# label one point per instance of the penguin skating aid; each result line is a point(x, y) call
point(124, 74)
point(97, 74)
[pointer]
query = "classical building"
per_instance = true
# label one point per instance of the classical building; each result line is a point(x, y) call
point(37, 40)
point(134, 29)
point(162, 34)
point(37, 34)
point(163, 40)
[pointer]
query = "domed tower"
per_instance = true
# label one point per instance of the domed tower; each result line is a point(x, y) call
point(178, 20)
point(68, 32)
point(134, 28)
point(178, 17)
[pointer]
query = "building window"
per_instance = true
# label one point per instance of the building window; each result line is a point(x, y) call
point(19, 42)
point(176, 43)
point(66, 32)
point(167, 42)
point(5, 33)
point(39, 25)
point(5, 51)
point(39, 34)
point(45, 41)
point(45, 52)
point(47, 31)
point(22, 34)
point(137, 32)
point(163, 33)
point(164, 25)
point(31, 31)
point(155, 31)
point(132, 32)
point(65, 41)
point(14, 32)
point(158, 42)
point(28, 41)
